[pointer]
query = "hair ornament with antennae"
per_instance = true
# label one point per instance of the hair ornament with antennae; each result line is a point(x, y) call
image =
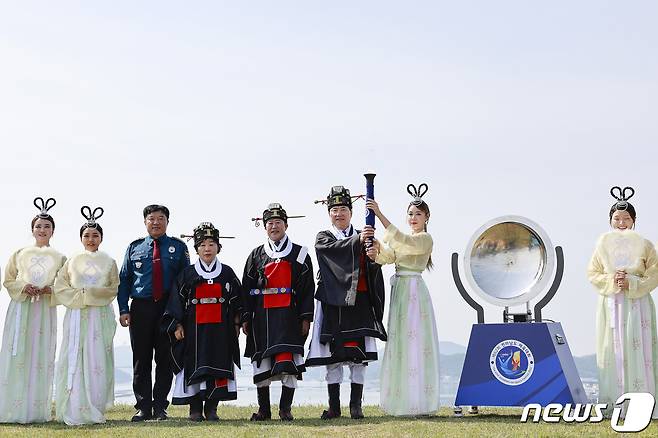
point(44, 206)
point(417, 193)
point(91, 216)
point(622, 196)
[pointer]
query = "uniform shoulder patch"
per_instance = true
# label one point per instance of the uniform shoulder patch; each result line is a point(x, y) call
point(137, 241)
point(181, 241)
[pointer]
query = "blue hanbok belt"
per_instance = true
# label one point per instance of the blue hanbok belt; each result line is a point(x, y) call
point(271, 291)
point(407, 273)
point(403, 273)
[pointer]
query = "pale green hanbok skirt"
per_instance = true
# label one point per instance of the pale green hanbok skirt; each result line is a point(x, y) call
point(27, 362)
point(627, 347)
point(409, 383)
point(85, 369)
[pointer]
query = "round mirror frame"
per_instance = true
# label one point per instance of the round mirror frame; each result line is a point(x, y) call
point(544, 277)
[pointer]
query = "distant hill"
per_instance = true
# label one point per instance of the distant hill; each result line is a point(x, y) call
point(586, 366)
point(451, 348)
point(451, 363)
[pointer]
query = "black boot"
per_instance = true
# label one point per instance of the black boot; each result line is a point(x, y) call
point(334, 402)
point(210, 410)
point(264, 412)
point(196, 406)
point(285, 403)
point(355, 401)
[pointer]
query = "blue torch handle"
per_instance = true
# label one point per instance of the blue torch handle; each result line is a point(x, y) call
point(370, 194)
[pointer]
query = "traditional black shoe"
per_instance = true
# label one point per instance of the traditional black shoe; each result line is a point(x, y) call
point(329, 414)
point(210, 410)
point(356, 412)
point(334, 402)
point(285, 415)
point(355, 401)
point(160, 415)
point(195, 416)
point(212, 415)
point(261, 416)
point(285, 404)
point(264, 411)
point(196, 406)
point(141, 415)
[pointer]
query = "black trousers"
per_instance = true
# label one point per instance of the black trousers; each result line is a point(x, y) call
point(145, 338)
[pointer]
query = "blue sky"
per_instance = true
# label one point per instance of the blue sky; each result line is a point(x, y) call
point(218, 108)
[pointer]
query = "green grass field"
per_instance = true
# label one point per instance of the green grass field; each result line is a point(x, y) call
point(234, 423)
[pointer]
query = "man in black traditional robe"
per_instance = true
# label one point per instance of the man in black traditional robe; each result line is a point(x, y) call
point(202, 320)
point(351, 295)
point(277, 292)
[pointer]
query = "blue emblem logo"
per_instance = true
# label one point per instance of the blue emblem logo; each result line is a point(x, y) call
point(511, 362)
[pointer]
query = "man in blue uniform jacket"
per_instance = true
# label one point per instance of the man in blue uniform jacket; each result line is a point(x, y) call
point(149, 268)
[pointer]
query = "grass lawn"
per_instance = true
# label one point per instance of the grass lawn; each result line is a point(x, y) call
point(493, 422)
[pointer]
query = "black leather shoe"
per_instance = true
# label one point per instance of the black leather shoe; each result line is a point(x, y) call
point(160, 415)
point(261, 416)
point(286, 415)
point(329, 414)
point(141, 415)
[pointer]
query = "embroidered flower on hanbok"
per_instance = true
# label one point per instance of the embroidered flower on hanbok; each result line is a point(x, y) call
point(98, 370)
point(39, 267)
point(91, 274)
point(638, 384)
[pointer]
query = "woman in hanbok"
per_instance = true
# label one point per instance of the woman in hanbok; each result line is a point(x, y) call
point(409, 382)
point(30, 334)
point(87, 284)
point(624, 271)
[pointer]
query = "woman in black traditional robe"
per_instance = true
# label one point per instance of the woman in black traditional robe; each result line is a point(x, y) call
point(202, 321)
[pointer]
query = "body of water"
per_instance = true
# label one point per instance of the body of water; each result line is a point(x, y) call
point(309, 391)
